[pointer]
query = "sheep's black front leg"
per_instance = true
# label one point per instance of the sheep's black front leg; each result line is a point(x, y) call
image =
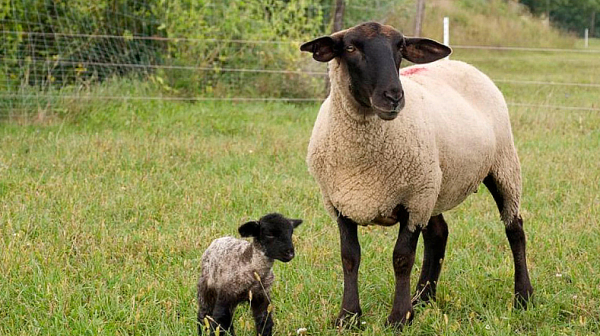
point(350, 250)
point(222, 317)
point(404, 258)
point(435, 236)
point(262, 315)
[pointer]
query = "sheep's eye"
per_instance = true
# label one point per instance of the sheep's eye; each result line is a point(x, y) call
point(270, 237)
point(350, 48)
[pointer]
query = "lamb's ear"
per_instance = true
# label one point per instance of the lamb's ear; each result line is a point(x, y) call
point(325, 48)
point(249, 229)
point(422, 50)
point(296, 222)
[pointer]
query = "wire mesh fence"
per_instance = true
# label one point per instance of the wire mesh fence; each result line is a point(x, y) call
point(178, 48)
point(181, 50)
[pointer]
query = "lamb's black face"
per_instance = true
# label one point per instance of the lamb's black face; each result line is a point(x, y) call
point(372, 53)
point(274, 233)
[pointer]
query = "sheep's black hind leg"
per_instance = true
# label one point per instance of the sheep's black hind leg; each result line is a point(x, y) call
point(262, 315)
point(435, 236)
point(350, 251)
point(516, 238)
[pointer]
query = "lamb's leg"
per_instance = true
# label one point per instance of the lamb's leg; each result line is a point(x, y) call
point(435, 235)
point(404, 258)
point(206, 302)
point(262, 315)
point(222, 317)
point(202, 313)
point(350, 250)
point(507, 200)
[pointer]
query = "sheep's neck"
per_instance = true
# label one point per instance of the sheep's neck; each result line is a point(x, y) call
point(355, 124)
point(260, 258)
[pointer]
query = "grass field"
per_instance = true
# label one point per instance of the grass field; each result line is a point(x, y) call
point(104, 215)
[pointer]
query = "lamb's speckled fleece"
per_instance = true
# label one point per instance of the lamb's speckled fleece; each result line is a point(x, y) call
point(228, 267)
point(453, 132)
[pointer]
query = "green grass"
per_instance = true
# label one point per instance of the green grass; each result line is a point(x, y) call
point(593, 43)
point(104, 214)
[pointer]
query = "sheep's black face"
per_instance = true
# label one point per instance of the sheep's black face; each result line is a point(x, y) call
point(274, 233)
point(372, 53)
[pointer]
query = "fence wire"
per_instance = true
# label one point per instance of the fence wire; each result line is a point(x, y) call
point(50, 53)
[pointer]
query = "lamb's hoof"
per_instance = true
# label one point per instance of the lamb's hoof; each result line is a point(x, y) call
point(348, 320)
point(398, 321)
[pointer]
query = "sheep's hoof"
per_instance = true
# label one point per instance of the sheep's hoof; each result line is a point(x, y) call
point(424, 295)
point(348, 320)
point(398, 321)
point(523, 299)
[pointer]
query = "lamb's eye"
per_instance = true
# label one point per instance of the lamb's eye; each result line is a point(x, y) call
point(270, 237)
point(350, 48)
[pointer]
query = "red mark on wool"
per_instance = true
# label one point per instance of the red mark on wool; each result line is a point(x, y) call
point(411, 70)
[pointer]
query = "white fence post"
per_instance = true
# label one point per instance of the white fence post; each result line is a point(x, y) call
point(447, 32)
point(585, 37)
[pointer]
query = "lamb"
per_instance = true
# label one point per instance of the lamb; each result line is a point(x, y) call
point(235, 270)
point(385, 152)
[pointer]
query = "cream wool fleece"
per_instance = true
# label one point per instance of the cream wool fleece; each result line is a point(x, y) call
point(452, 133)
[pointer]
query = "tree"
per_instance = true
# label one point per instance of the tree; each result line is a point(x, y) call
point(419, 17)
point(338, 17)
point(573, 15)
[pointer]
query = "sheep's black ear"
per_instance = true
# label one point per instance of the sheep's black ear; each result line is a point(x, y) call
point(296, 222)
point(325, 48)
point(422, 50)
point(249, 229)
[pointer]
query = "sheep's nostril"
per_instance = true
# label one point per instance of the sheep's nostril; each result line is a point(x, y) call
point(393, 96)
point(290, 254)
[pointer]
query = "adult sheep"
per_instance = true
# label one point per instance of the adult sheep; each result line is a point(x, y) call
point(384, 152)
